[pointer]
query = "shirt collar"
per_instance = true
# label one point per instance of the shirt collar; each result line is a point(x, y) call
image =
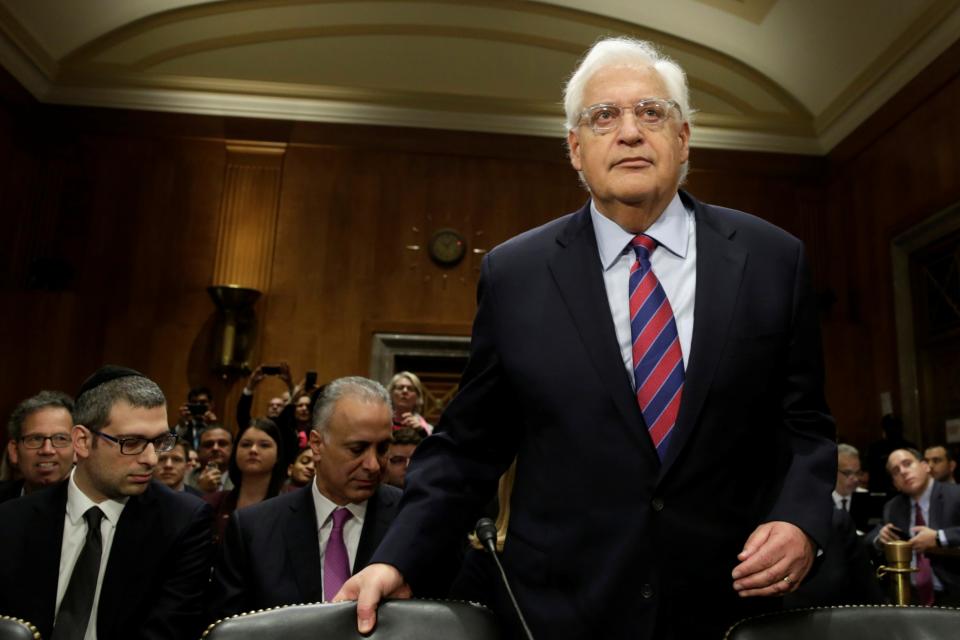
point(78, 503)
point(325, 507)
point(670, 230)
point(924, 499)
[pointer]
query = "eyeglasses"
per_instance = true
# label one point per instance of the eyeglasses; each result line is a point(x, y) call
point(134, 445)
point(848, 473)
point(649, 113)
point(36, 441)
point(399, 460)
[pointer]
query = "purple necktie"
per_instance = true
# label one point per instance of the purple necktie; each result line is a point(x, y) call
point(923, 579)
point(657, 361)
point(336, 565)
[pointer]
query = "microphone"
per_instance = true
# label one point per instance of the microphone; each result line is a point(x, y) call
point(486, 532)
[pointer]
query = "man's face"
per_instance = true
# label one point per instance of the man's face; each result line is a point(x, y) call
point(201, 398)
point(274, 407)
point(48, 464)
point(302, 409)
point(349, 456)
point(215, 446)
point(940, 467)
point(630, 165)
point(103, 471)
point(848, 474)
point(910, 476)
point(171, 467)
point(398, 458)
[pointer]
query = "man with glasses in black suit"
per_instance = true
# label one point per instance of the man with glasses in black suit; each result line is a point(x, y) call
point(40, 445)
point(109, 553)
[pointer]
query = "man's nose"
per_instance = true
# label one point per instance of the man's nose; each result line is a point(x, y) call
point(630, 130)
point(47, 447)
point(149, 455)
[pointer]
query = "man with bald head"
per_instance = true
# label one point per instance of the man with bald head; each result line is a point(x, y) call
point(670, 349)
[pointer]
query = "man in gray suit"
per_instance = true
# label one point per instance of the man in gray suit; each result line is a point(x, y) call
point(927, 514)
point(301, 546)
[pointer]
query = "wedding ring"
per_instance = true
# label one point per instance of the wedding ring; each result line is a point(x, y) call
point(787, 580)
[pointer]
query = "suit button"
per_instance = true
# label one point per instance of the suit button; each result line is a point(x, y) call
point(657, 504)
point(646, 591)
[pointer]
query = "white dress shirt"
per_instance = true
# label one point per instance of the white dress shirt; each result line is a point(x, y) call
point(74, 536)
point(352, 528)
point(674, 263)
point(838, 501)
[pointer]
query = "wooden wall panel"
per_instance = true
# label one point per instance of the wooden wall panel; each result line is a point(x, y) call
point(901, 167)
point(139, 198)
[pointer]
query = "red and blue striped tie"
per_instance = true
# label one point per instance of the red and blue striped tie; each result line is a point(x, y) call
point(657, 360)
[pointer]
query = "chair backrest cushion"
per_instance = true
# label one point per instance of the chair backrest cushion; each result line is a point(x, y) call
point(396, 620)
point(877, 622)
point(16, 629)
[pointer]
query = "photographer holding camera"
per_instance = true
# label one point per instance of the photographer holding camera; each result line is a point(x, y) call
point(195, 415)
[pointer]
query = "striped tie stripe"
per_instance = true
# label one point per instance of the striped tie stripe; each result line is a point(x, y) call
point(657, 358)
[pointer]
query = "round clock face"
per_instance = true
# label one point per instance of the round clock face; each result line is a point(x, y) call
point(447, 247)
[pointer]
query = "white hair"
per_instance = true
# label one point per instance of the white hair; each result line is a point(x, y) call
point(627, 52)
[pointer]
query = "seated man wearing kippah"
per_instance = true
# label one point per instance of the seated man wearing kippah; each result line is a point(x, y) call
point(110, 553)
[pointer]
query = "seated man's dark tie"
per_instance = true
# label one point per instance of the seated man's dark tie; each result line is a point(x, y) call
point(74, 614)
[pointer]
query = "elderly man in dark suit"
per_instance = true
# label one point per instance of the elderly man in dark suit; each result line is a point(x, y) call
point(927, 513)
point(301, 546)
point(654, 365)
point(109, 553)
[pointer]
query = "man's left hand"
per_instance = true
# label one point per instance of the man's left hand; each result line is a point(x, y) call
point(924, 539)
point(775, 559)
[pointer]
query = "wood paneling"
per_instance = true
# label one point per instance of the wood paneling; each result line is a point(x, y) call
point(898, 169)
point(135, 200)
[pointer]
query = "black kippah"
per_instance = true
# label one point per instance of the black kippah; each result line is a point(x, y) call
point(105, 374)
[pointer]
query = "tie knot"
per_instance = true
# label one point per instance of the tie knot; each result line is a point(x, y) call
point(643, 245)
point(340, 516)
point(93, 516)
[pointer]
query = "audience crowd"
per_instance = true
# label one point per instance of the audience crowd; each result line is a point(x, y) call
point(120, 517)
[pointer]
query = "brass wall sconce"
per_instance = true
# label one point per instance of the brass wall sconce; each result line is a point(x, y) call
point(235, 331)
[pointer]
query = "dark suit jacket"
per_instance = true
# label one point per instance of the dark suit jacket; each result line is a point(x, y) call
point(270, 555)
point(605, 540)
point(944, 514)
point(10, 489)
point(158, 567)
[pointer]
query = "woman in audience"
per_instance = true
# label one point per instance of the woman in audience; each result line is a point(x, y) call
point(406, 391)
point(254, 470)
point(300, 472)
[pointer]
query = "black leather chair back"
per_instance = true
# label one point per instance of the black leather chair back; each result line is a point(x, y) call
point(396, 620)
point(16, 629)
point(866, 622)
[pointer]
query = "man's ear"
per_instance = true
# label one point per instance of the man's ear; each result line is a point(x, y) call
point(12, 453)
point(573, 146)
point(82, 441)
point(684, 142)
point(316, 444)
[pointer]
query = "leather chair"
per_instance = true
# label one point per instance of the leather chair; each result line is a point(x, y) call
point(855, 622)
point(17, 629)
point(396, 620)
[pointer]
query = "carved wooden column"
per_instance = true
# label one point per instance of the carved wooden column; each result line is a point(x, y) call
point(245, 245)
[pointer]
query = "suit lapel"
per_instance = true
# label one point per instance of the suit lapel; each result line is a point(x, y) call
point(129, 556)
point(303, 547)
point(375, 524)
point(43, 548)
point(577, 271)
point(720, 264)
point(936, 506)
